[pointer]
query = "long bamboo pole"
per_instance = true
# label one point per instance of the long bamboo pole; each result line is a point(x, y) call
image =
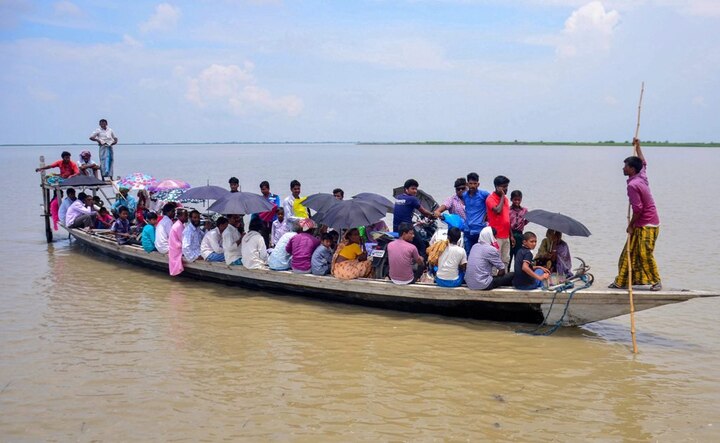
point(629, 236)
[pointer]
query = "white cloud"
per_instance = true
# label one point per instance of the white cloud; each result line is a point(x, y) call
point(130, 41)
point(67, 9)
point(705, 8)
point(166, 17)
point(588, 29)
point(232, 88)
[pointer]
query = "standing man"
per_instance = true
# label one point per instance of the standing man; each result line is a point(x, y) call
point(475, 210)
point(163, 227)
point(175, 243)
point(294, 211)
point(405, 204)
point(455, 204)
point(498, 216)
point(267, 217)
point(643, 228)
point(106, 139)
point(234, 184)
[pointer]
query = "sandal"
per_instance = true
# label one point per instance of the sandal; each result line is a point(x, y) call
point(614, 286)
point(656, 287)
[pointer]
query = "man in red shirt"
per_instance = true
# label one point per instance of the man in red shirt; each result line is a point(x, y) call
point(498, 215)
point(68, 168)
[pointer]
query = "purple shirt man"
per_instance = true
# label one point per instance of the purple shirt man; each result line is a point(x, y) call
point(301, 247)
point(641, 199)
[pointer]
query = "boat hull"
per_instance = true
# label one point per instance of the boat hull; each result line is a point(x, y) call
point(503, 304)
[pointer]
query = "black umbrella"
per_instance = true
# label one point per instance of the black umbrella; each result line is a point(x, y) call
point(377, 199)
point(241, 203)
point(209, 192)
point(350, 214)
point(82, 180)
point(320, 202)
point(557, 222)
point(426, 200)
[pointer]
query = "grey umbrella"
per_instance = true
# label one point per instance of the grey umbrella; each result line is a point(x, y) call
point(350, 214)
point(557, 222)
point(320, 202)
point(377, 199)
point(209, 192)
point(241, 203)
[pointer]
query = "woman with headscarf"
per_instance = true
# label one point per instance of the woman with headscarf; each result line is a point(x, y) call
point(350, 261)
point(554, 254)
point(484, 257)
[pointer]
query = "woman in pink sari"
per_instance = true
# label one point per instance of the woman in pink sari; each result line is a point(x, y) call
point(175, 243)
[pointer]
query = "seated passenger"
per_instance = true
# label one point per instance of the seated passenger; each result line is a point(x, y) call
point(405, 264)
point(211, 247)
point(231, 240)
point(301, 248)
point(192, 238)
point(484, 258)
point(279, 259)
point(527, 275)
point(254, 250)
point(452, 262)
point(554, 253)
point(81, 213)
point(121, 228)
point(68, 168)
point(147, 238)
point(323, 255)
point(104, 220)
point(350, 261)
point(124, 199)
point(162, 228)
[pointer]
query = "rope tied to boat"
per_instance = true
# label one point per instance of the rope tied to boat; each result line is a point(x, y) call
point(587, 280)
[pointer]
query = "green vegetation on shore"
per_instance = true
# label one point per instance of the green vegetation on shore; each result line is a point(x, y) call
point(544, 143)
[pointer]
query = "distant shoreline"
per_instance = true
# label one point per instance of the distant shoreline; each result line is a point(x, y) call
point(409, 143)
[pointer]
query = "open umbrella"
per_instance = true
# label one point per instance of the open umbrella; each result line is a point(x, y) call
point(208, 192)
point(320, 202)
point(377, 199)
point(426, 200)
point(351, 213)
point(169, 184)
point(241, 203)
point(557, 222)
point(175, 195)
point(137, 181)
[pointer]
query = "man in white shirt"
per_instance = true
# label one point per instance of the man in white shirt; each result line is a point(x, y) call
point(106, 139)
point(67, 201)
point(289, 204)
point(231, 240)
point(81, 213)
point(162, 229)
point(192, 238)
point(452, 262)
point(211, 247)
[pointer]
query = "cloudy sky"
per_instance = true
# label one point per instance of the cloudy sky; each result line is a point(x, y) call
point(361, 70)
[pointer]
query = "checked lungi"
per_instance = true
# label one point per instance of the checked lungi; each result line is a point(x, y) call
point(644, 267)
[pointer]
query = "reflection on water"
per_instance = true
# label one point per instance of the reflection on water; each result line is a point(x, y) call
point(91, 348)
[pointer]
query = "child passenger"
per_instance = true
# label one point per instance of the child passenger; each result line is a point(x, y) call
point(527, 276)
point(104, 220)
point(517, 222)
point(121, 228)
point(322, 257)
point(279, 227)
point(148, 232)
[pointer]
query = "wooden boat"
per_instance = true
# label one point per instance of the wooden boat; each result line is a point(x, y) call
point(503, 304)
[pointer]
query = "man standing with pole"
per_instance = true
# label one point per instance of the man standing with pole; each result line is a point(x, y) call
point(106, 139)
point(643, 228)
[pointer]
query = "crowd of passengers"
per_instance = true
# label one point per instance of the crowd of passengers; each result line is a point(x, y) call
point(486, 233)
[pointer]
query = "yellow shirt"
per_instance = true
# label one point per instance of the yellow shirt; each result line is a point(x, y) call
point(351, 251)
point(299, 210)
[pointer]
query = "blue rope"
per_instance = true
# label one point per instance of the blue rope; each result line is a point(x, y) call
point(588, 281)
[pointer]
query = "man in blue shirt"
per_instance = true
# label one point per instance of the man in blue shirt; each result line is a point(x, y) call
point(475, 210)
point(405, 204)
